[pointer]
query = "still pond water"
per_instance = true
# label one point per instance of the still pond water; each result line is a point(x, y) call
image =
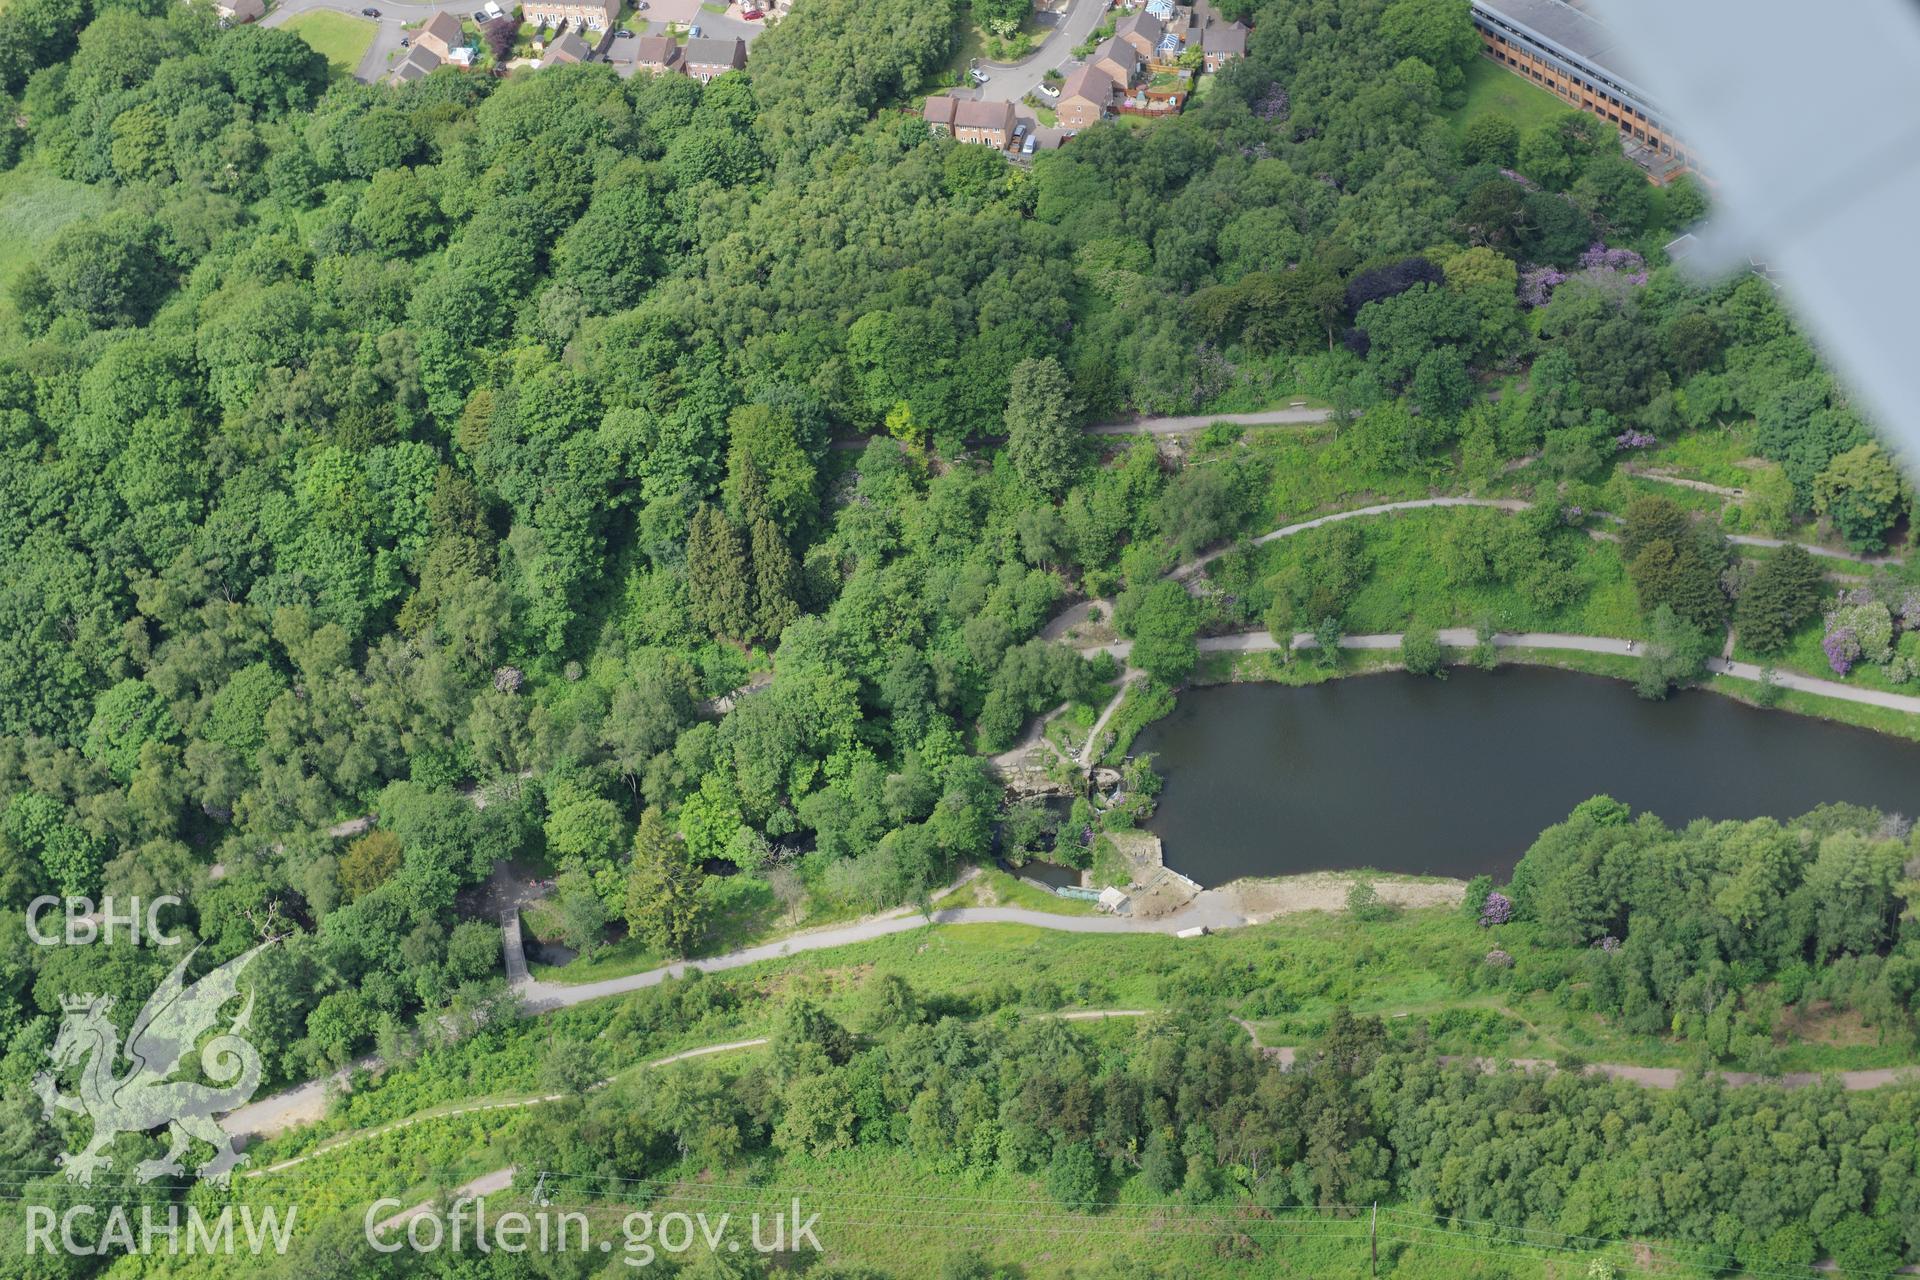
point(1456, 777)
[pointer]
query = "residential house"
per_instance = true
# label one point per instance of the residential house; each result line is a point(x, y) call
point(938, 113)
point(1224, 42)
point(970, 120)
point(417, 65)
point(623, 56)
point(1161, 9)
point(234, 12)
point(1085, 98)
point(594, 15)
point(1142, 31)
point(1116, 61)
point(1221, 41)
point(441, 36)
point(988, 123)
point(569, 47)
point(711, 56)
point(658, 54)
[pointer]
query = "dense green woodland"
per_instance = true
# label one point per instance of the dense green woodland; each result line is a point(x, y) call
point(383, 447)
point(967, 1085)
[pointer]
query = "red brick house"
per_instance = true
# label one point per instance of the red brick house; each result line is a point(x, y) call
point(658, 54)
point(708, 57)
point(1117, 61)
point(1085, 99)
point(1140, 31)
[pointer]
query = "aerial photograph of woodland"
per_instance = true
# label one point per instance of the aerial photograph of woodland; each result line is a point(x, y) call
point(925, 640)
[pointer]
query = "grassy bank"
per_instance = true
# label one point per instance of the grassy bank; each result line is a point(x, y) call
point(342, 40)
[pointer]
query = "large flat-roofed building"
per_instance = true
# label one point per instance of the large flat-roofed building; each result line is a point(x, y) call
point(1561, 47)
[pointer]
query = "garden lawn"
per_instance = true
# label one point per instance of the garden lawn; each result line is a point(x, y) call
point(1493, 90)
point(343, 40)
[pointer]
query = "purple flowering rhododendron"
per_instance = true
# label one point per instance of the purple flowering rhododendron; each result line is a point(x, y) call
point(1599, 257)
point(1842, 648)
point(1538, 283)
point(1634, 440)
point(1497, 909)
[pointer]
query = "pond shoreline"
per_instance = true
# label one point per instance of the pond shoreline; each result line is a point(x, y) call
point(1456, 778)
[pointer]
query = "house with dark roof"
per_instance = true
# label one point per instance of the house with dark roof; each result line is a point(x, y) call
point(417, 65)
point(968, 119)
point(568, 48)
point(233, 12)
point(990, 123)
point(1085, 99)
point(710, 56)
point(938, 112)
point(658, 54)
point(441, 35)
point(1140, 30)
point(1221, 41)
point(1117, 61)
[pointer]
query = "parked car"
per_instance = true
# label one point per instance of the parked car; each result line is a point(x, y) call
point(978, 76)
point(753, 15)
point(623, 34)
point(404, 42)
point(369, 12)
point(1027, 147)
point(1019, 131)
point(480, 16)
point(1048, 91)
point(694, 32)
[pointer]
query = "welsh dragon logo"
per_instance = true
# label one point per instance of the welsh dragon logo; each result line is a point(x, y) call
point(172, 1021)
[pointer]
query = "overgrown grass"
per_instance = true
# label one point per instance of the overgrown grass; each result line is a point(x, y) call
point(1407, 581)
point(35, 206)
point(1145, 702)
point(343, 40)
point(1002, 890)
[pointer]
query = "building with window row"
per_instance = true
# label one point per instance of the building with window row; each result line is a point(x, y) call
point(1561, 47)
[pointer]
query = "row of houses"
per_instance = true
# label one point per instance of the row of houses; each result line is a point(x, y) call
point(442, 40)
point(1144, 45)
point(703, 57)
point(1116, 75)
point(1182, 27)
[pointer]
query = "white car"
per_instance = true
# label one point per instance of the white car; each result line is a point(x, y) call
point(1047, 91)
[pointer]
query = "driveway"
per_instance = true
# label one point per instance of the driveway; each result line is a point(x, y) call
point(1010, 83)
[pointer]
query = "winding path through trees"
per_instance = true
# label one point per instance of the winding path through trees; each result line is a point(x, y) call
point(307, 1102)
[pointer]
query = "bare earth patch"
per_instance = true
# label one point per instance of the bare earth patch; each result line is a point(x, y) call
point(1262, 900)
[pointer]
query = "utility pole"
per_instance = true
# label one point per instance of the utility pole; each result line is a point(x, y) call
point(1373, 1240)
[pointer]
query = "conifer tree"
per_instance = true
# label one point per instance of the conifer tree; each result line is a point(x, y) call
point(717, 574)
